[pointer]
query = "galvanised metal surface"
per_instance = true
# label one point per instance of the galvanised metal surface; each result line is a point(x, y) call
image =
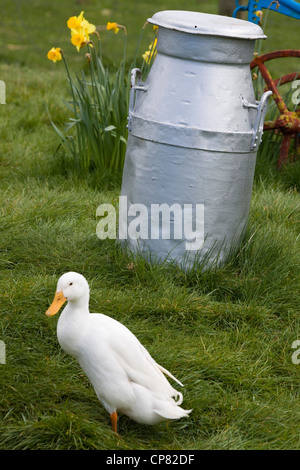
point(194, 129)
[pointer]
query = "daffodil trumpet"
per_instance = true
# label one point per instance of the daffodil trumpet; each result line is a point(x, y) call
point(58, 301)
point(55, 54)
point(115, 27)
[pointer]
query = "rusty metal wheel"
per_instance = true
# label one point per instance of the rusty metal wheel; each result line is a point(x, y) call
point(288, 122)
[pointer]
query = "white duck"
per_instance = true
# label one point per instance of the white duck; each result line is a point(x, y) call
point(124, 375)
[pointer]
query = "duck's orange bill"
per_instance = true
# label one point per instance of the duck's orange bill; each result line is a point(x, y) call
point(58, 301)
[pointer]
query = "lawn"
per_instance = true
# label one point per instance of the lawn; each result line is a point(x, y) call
point(227, 334)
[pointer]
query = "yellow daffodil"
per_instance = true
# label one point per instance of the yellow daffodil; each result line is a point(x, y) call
point(153, 44)
point(146, 56)
point(78, 40)
point(155, 27)
point(259, 14)
point(80, 30)
point(151, 53)
point(113, 27)
point(75, 21)
point(87, 27)
point(54, 54)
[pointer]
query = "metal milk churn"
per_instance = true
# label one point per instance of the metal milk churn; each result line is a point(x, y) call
point(194, 130)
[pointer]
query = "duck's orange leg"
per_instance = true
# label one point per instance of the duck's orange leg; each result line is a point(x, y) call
point(114, 420)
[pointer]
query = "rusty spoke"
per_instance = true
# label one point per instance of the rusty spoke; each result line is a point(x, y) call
point(269, 125)
point(284, 151)
point(271, 86)
point(288, 122)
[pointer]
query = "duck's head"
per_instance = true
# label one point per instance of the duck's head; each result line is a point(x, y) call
point(71, 287)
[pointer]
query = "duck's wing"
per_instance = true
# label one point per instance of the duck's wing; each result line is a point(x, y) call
point(135, 360)
point(177, 395)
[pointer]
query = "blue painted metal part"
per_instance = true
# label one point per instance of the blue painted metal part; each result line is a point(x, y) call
point(285, 7)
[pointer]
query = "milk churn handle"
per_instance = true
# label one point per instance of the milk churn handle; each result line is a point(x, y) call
point(136, 83)
point(261, 107)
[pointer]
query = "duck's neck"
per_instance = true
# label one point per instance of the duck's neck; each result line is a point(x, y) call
point(79, 307)
point(71, 325)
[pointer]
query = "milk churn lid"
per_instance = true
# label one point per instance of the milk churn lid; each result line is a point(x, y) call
point(207, 24)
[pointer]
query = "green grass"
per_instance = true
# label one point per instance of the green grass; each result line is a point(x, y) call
point(226, 334)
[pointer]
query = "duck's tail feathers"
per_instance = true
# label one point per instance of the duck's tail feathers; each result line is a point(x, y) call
point(165, 371)
point(178, 397)
point(171, 411)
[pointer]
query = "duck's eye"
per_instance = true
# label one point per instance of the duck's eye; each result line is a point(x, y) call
point(71, 283)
